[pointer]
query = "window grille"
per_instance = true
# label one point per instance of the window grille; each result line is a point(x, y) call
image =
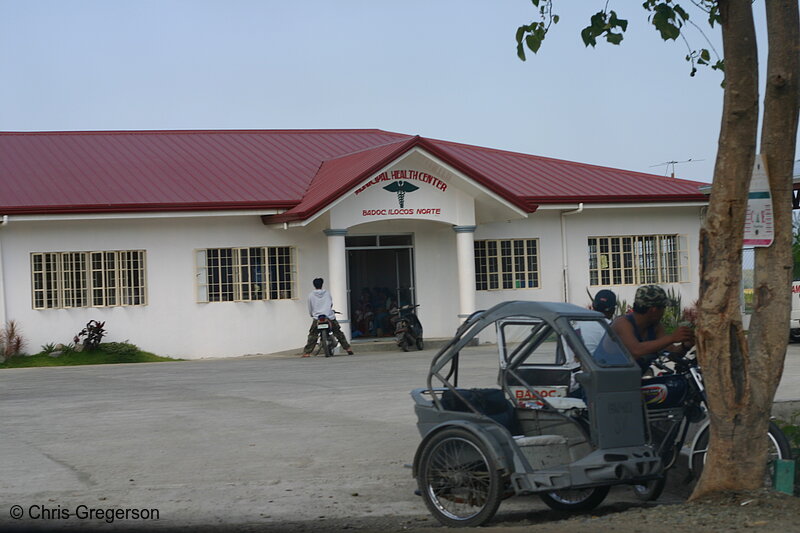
point(506, 264)
point(64, 280)
point(246, 274)
point(638, 259)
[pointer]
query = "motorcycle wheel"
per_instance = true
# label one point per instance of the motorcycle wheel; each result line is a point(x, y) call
point(402, 342)
point(650, 490)
point(325, 344)
point(420, 345)
point(778, 449)
point(575, 499)
point(458, 479)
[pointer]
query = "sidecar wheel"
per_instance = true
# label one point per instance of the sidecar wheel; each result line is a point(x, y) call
point(575, 499)
point(459, 480)
point(650, 490)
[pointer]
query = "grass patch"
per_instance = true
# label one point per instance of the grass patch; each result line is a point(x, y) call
point(106, 354)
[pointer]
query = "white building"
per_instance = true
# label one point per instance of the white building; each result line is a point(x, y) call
point(204, 243)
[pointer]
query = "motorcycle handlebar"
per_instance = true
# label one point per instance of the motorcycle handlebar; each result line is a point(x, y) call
point(682, 361)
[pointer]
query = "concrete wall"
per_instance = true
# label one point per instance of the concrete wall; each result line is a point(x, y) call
point(174, 324)
point(599, 222)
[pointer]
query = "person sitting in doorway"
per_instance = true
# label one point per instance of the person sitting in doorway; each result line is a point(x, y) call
point(363, 314)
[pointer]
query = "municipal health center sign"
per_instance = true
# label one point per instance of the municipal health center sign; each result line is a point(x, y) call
point(404, 193)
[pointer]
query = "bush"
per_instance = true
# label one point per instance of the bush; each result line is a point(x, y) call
point(94, 333)
point(121, 348)
point(120, 352)
point(11, 340)
point(48, 348)
point(791, 429)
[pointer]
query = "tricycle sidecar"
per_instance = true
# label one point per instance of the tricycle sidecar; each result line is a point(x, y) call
point(566, 420)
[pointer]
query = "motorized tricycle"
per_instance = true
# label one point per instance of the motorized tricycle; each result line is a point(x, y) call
point(559, 421)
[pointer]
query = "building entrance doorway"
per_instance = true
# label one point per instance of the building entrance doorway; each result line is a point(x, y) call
point(380, 277)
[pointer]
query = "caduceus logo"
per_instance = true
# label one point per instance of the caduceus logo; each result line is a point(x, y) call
point(401, 188)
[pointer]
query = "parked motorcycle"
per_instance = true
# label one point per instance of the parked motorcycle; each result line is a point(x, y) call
point(675, 400)
point(408, 329)
point(327, 340)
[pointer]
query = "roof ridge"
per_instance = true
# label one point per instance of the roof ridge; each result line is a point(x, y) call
point(368, 148)
point(403, 146)
point(200, 131)
point(348, 154)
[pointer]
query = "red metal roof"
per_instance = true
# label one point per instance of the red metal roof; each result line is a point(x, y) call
point(298, 170)
point(542, 180)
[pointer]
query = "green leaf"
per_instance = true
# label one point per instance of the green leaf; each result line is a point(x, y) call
point(521, 51)
point(705, 55)
point(614, 22)
point(614, 38)
point(533, 42)
point(588, 37)
point(555, 19)
point(521, 33)
point(663, 19)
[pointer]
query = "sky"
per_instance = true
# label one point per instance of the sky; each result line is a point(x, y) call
point(443, 69)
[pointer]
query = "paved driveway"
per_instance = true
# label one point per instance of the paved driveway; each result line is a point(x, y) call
point(213, 442)
point(251, 441)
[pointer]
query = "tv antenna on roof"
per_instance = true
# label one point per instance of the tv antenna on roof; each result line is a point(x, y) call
point(667, 164)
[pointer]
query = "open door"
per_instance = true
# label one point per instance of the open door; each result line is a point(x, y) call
point(381, 277)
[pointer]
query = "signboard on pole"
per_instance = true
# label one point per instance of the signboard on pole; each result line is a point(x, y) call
point(759, 225)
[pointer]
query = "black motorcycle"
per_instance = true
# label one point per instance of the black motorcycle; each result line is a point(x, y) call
point(408, 329)
point(675, 400)
point(327, 340)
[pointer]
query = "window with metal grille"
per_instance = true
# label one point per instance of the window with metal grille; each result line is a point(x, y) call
point(506, 264)
point(62, 280)
point(638, 259)
point(245, 274)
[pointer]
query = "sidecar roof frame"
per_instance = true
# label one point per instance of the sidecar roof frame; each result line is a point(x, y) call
point(549, 312)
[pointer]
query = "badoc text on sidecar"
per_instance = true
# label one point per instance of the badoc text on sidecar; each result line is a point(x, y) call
point(564, 421)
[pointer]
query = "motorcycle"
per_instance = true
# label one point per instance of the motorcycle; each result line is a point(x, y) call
point(408, 329)
point(327, 340)
point(675, 400)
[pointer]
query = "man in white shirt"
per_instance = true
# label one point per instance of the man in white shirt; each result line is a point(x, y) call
point(320, 303)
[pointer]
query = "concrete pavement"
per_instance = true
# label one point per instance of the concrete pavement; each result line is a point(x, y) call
point(247, 443)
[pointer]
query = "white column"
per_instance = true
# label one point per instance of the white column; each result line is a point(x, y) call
point(337, 276)
point(465, 252)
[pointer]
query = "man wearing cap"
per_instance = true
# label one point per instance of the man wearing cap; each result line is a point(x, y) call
point(642, 332)
point(592, 333)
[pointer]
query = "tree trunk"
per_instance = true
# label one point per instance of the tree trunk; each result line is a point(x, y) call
point(774, 265)
point(742, 380)
point(721, 344)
